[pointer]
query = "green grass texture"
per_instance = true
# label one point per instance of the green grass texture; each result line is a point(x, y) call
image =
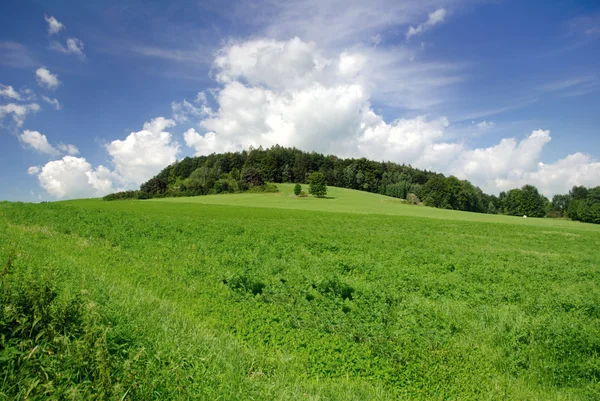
point(275, 297)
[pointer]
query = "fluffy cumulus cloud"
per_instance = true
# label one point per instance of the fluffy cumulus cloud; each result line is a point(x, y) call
point(135, 159)
point(39, 142)
point(293, 94)
point(46, 79)
point(435, 18)
point(54, 25)
point(18, 112)
point(74, 177)
point(144, 153)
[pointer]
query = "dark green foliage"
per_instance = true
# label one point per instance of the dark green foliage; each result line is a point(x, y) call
point(125, 195)
point(297, 189)
point(526, 201)
point(245, 284)
point(251, 177)
point(268, 188)
point(203, 175)
point(452, 193)
point(59, 347)
point(584, 204)
point(560, 204)
point(316, 185)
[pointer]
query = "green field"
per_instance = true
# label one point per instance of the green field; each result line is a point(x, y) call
point(270, 296)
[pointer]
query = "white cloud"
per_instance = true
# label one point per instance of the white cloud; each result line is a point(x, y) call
point(203, 144)
point(33, 170)
point(510, 157)
point(54, 26)
point(270, 62)
point(398, 76)
point(560, 176)
point(485, 125)
point(186, 111)
point(435, 18)
point(38, 142)
point(144, 153)
point(46, 79)
point(136, 159)
point(68, 149)
point(72, 46)
point(53, 102)
point(323, 104)
point(9, 92)
point(18, 111)
point(335, 24)
point(290, 93)
point(74, 177)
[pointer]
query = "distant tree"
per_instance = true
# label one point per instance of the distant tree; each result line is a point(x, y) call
point(251, 177)
point(579, 193)
point(436, 193)
point(492, 208)
point(585, 205)
point(297, 189)
point(316, 185)
point(286, 174)
point(533, 204)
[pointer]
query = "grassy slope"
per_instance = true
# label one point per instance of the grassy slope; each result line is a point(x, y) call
point(341, 200)
point(351, 305)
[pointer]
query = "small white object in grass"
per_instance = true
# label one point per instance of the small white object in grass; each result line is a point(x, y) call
point(525, 216)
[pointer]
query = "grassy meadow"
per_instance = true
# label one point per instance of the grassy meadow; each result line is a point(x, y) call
point(274, 297)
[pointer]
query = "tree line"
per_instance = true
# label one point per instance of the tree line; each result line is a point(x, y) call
point(255, 169)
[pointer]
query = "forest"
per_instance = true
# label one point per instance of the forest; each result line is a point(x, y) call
point(256, 169)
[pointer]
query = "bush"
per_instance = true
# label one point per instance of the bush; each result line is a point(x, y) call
point(297, 189)
point(412, 199)
point(271, 188)
point(63, 337)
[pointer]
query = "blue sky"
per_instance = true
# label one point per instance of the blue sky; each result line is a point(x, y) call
point(100, 96)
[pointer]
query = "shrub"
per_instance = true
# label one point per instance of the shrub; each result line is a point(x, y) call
point(297, 189)
point(65, 337)
point(270, 187)
point(412, 199)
